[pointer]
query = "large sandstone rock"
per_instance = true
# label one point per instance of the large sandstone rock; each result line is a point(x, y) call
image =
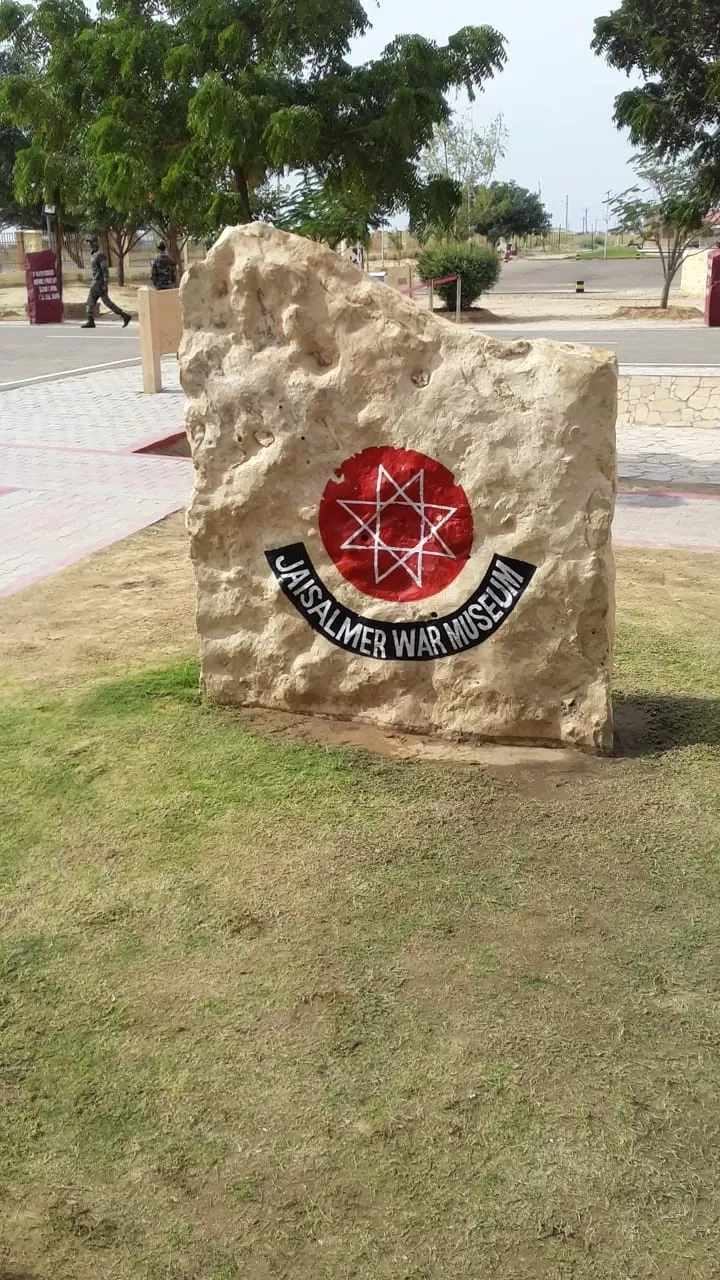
point(463, 559)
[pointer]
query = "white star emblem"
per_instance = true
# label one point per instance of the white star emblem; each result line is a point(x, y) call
point(419, 518)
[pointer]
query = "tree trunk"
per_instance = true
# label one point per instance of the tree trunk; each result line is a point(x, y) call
point(121, 252)
point(665, 295)
point(171, 238)
point(59, 246)
point(241, 186)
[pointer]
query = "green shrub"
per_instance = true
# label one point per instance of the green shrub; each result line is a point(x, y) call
point(477, 266)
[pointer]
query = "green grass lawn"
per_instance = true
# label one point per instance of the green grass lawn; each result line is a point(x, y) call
point(618, 251)
point(275, 1010)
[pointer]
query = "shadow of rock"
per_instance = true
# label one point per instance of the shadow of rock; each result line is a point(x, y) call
point(661, 469)
point(652, 724)
point(649, 498)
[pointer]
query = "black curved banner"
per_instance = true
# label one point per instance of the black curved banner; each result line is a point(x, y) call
point(422, 641)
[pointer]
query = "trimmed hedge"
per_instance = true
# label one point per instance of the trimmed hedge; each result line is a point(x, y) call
point(477, 266)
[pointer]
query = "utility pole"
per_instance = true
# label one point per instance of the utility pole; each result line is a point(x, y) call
point(606, 202)
point(567, 214)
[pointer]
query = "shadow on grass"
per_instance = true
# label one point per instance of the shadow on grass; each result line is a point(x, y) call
point(644, 725)
point(136, 693)
point(653, 723)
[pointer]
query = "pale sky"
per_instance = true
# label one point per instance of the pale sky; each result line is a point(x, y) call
point(555, 95)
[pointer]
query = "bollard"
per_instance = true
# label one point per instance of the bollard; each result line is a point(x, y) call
point(160, 332)
point(580, 286)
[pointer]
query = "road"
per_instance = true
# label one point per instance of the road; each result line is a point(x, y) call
point(617, 275)
point(31, 351)
point(674, 344)
point(28, 351)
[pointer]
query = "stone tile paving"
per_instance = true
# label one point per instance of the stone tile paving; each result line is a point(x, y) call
point(105, 410)
point(126, 473)
point(669, 455)
point(43, 531)
point(71, 484)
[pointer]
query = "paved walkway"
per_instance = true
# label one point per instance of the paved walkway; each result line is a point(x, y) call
point(669, 455)
point(660, 518)
point(72, 481)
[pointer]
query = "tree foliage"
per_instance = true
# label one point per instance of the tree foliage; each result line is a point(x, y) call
point(314, 211)
point(675, 47)
point(188, 116)
point(503, 210)
point(477, 266)
point(461, 153)
point(667, 209)
point(12, 141)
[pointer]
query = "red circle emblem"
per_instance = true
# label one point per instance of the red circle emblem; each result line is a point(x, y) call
point(396, 524)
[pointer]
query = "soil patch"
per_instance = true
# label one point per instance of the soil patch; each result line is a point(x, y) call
point(657, 313)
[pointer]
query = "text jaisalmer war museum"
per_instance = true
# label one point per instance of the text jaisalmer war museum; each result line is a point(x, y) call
point(395, 520)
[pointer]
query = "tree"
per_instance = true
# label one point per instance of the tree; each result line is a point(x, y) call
point(238, 94)
point(12, 141)
point(397, 240)
point(466, 155)
point(42, 99)
point(139, 138)
point(668, 210)
point(189, 114)
point(277, 94)
point(503, 210)
point(675, 47)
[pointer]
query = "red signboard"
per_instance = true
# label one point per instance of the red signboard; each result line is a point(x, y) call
point(45, 305)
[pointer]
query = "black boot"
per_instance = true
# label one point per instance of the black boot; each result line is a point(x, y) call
point(126, 319)
point(89, 323)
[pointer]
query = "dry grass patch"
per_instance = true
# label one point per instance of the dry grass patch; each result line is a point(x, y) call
point(658, 313)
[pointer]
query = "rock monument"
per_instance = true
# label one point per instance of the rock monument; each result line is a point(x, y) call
point(395, 519)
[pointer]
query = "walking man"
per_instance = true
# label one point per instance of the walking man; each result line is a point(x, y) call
point(164, 272)
point(99, 287)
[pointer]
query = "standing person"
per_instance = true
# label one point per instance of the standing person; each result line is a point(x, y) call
point(164, 271)
point(99, 287)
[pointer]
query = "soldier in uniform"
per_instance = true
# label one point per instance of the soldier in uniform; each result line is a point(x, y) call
point(164, 271)
point(99, 287)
